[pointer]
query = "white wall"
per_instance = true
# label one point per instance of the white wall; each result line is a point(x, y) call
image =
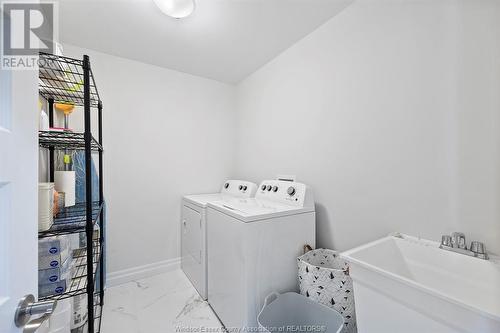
point(166, 134)
point(477, 122)
point(390, 111)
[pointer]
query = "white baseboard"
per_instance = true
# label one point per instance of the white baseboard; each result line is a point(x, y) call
point(140, 272)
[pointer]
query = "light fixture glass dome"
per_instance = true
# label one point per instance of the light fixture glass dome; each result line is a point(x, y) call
point(176, 8)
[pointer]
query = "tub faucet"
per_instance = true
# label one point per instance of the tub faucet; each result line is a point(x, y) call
point(458, 240)
point(456, 243)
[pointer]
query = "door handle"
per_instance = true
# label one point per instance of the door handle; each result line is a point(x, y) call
point(28, 307)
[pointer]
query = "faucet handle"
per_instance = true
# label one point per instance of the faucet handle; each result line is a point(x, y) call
point(479, 250)
point(458, 240)
point(477, 247)
point(446, 241)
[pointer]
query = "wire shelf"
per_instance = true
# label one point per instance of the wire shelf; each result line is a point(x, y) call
point(78, 283)
point(72, 220)
point(65, 140)
point(61, 78)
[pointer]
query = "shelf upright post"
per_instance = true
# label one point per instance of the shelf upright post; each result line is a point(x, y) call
point(51, 149)
point(89, 230)
point(101, 201)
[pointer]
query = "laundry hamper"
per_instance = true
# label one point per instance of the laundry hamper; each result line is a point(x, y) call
point(324, 278)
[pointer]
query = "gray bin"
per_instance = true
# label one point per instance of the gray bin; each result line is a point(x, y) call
point(291, 312)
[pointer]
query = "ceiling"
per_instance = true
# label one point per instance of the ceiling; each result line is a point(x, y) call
point(224, 40)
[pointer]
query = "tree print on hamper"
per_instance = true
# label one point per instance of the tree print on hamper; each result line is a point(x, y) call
point(324, 278)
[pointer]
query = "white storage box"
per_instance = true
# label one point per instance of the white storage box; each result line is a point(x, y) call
point(53, 260)
point(57, 287)
point(291, 312)
point(52, 245)
point(51, 275)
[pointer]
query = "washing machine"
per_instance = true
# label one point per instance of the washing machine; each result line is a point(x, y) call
point(193, 229)
point(253, 245)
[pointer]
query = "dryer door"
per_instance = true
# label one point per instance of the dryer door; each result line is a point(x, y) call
point(192, 245)
point(191, 234)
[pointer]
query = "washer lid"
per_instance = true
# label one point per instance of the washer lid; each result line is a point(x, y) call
point(202, 200)
point(230, 189)
point(249, 210)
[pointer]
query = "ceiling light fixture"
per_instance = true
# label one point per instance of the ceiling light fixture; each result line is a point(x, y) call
point(176, 8)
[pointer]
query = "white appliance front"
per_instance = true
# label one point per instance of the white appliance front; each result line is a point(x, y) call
point(193, 229)
point(253, 254)
point(192, 245)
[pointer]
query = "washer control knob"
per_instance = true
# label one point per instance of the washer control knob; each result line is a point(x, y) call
point(275, 188)
point(240, 187)
point(245, 187)
point(263, 187)
point(269, 187)
point(226, 185)
point(291, 191)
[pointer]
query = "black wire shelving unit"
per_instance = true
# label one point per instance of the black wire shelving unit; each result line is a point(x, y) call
point(73, 220)
point(66, 140)
point(71, 81)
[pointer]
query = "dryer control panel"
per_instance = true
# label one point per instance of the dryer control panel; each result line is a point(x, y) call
point(290, 193)
point(239, 188)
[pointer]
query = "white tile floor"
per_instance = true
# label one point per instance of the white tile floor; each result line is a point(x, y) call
point(159, 304)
